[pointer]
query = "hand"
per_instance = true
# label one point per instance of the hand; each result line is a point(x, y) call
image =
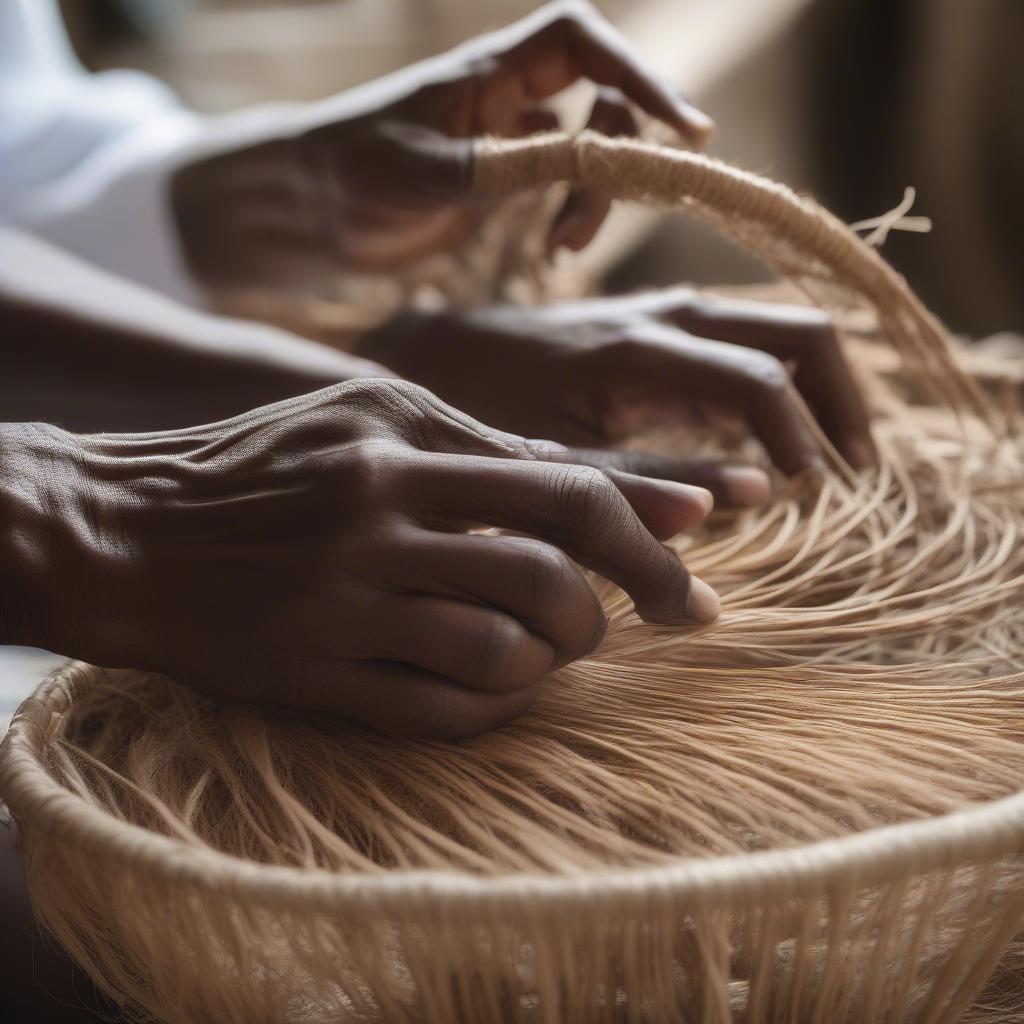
point(584, 372)
point(314, 553)
point(380, 176)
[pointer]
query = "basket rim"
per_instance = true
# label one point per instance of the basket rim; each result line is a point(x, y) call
point(984, 832)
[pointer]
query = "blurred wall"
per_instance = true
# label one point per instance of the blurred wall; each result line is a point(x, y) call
point(858, 99)
point(929, 93)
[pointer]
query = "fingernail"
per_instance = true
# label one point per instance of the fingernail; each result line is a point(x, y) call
point(746, 485)
point(702, 604)
point(700, 124)
point(689, 492)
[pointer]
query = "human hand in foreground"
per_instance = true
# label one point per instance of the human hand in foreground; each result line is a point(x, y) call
point(315, 553)
point(586, 373)
point(382, 175)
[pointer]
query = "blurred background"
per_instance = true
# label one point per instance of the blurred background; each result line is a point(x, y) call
point(849, 99)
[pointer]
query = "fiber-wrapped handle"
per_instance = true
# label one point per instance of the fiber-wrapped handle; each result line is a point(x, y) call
point(791, 233)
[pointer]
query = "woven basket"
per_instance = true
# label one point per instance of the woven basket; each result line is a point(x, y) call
point(898, 922)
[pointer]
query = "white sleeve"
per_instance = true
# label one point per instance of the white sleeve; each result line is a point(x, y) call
point(85, 159)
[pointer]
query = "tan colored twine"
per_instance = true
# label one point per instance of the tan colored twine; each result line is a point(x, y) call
point(808, 811)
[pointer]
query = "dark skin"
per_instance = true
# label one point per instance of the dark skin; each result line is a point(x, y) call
point(588, 373)
point(329, 525)
point(339, 580)
point(380, 176)
point(312, 539)
point(314, 547)
point(349, 504)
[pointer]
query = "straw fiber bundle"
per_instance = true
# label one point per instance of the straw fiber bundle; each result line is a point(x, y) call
point(808, 811)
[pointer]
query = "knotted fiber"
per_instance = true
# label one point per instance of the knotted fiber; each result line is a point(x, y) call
point(808, 811)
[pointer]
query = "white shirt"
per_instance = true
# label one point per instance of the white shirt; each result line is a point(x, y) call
point(85, 158)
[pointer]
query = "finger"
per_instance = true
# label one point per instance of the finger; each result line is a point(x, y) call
point(482, 648)
point(666, 507)
point(664, 363)
point(732, 485)
point(402, 698)
point(585, 209)
point(578, 509)
point(799, 334)
point(566, 42)
point(532, 581)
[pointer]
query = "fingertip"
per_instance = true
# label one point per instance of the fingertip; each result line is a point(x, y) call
point(693, 124)
point(665, 507)
point(689, 494)
point(746, 486)
point(704, 127)
point(702, 603)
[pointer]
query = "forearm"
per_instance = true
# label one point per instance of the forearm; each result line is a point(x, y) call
point(91, 352)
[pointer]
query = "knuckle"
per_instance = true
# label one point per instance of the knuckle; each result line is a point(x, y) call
point(553, 588)
point(762, 371)
point(584, 496)
point(389, 397)
point(498, 656)
point(363, 472)
point(549, 573)
point(364, 389)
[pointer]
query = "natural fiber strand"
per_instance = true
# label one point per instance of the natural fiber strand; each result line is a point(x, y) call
point(809, 811)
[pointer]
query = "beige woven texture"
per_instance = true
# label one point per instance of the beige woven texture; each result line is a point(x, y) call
point(808, 811)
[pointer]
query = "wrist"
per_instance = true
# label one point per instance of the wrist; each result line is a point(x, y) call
point(29, 461)
point(59, 585)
